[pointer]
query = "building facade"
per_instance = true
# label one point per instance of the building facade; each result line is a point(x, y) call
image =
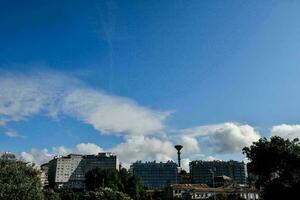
point(155, 175)
point(44, 175)
point(202, 191)
point(202, 172)
point(69, 171)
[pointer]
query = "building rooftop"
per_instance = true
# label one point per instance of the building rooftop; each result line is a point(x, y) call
point(101, 154)
point(205, 188)
point(215, 161)
point(153, 162)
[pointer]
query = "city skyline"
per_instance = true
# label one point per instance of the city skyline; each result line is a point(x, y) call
point(136, 78)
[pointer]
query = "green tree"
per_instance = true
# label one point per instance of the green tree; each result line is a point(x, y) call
point(134, 187)
point(105, 194)
point(121, 181)
point(97, 178)
point(184, 177)
point(69, 194)
point(50, 194)
point(18, 180)
point(276, 165)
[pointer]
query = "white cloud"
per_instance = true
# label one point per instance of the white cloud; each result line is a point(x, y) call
point(221, 138)
point(224, 138)
point(185, 164)
point(190, 144)
point(144, 148)
point(211, 158)
point(287, 131)
point(132, 149)
point(12, 133)
point(112, 114)
point(28, 157)
point(18, 100)
point(88, 148)
point(52, 94)
point(40, 156)
point(23, 96)
point(36, 156)
point(61, 151)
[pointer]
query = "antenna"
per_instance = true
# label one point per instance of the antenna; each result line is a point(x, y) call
point(178, 148)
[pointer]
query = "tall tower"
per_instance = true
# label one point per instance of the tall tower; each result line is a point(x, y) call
point(178, 148)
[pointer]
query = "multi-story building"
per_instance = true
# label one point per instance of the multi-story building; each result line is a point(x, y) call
point(69, 171)
point(203, 171)
point(202, 191)
point(155, 175)
point(44, 174)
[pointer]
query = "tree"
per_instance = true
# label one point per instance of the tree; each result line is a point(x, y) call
point(276, 164)
point(98, 177)
point(184, 177)
point(134, 188)
point(50, 194)
point(121, 181)
point(105, 194)
point(18, 180)
point(69, 194)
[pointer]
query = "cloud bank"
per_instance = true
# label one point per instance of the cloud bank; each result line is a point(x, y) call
point(145, 134)
point(132, 149)
point(40, 156)
point(53, 94)
point(286, 131)
point(224, 138)
point(221, 139)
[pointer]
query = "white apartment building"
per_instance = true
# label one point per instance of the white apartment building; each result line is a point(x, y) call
point(69, 171)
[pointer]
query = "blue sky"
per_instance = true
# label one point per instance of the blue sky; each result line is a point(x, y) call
point(191, 63)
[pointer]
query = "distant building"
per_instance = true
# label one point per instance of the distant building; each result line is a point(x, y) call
point(201, 171)
point(156, 175)
point(202, 191)
point(44, 174)
point(69, 171)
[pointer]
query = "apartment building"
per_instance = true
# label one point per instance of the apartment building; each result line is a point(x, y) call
point(203, 172)
point(155, 175)
point(69, 171)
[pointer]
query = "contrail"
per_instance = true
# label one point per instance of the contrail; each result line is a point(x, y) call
point(107, 23)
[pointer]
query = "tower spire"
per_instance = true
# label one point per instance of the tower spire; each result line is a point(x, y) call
point(178, 148)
